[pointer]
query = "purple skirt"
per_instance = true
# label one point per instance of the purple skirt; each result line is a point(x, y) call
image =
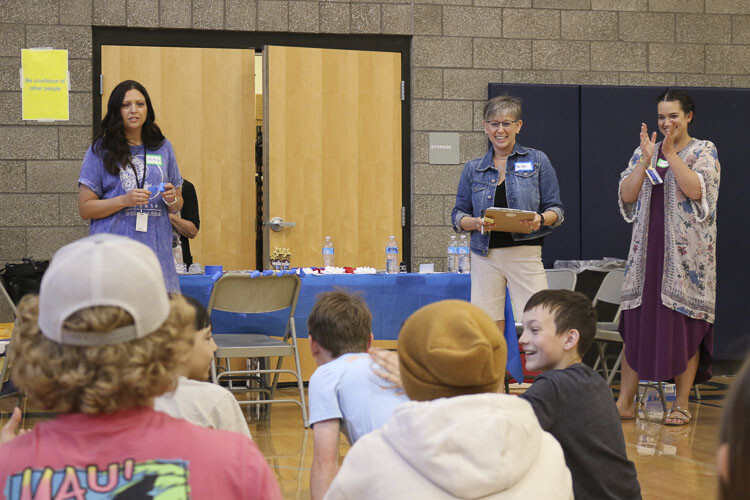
point(659, 341)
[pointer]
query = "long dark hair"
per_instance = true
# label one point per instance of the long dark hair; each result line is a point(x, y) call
point(111, 143)
point(682, 97)
point(735, 431)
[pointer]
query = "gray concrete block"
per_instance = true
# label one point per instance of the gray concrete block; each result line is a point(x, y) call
point(43, 242)
point(562, 4)
point(618, 56)
point(75, 39)
point(12, 37)
point(676, 6)
point(727, 7)
point(646, 27)
point(397, 19)
point(556, 54)
point(473, 21)
point(334, 17)
point(12, 176)
point(436, 179)
point(676, 58)
point(28, 143)
point(526, 76)
point(25, 12)
point(452, 116)
point(478, 115)
point(741, 81)
point(589, 25)
point(621, 5)
point(59, 176)
point(442, 52)
point(449, 201)
point(273, 16)
point(420, 151)
point(472, 145)
point(741, 30)
point(10, 108)
point(9, 76)
point(69, 215)
point(526, 24)
point(12, 244)
point(647, 79)
point(143, 13)
point(447, 2)
point(497, 53)
point(74, 141)
point(80, 75)
point(428, 19)
point(175, 13)
point(28, 210)
point(519, 4)
point(80, 106)
point(240, 15)
point(109, 12)
point(702, 28)
point(590, 78)
point(304, 17)
point(365, 18)
point(469, 83)
point(209, 14)
point(427, 83)
point(428, 210)
point(704, 80)
point(727, 59)
point(430, 242)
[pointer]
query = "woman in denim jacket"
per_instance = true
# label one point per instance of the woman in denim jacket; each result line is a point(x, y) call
point(511, 176)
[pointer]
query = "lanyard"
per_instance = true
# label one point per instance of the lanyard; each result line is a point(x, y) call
point(140, 183)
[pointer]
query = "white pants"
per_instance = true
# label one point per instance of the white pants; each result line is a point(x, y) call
point(519, 267)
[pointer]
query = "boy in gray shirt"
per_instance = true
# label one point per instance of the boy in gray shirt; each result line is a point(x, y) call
point(570, 400)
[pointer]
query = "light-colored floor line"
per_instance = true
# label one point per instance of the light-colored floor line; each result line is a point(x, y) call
point(709, 466)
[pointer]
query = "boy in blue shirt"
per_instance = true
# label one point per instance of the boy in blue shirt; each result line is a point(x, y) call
point(345, 395)
point(570, 400)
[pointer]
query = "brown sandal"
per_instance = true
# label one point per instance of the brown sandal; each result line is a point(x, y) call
point(683, 420)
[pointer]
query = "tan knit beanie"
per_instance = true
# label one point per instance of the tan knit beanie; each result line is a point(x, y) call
point(450, 348)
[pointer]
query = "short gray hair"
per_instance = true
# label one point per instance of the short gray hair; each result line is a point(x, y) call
point(506, 104)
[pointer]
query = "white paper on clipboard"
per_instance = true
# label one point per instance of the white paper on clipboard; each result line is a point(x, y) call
point(509, 219)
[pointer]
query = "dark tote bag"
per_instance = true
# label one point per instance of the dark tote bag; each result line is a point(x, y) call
point(25, 277)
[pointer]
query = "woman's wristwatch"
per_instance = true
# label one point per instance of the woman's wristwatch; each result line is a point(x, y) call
point(541, 224)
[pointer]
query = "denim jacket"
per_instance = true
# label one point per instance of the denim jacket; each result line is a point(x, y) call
point(532, 189)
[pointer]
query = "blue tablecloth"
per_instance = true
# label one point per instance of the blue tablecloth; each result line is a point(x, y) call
point(390, 297)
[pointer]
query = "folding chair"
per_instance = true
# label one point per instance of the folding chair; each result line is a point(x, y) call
point(561, 279)
point(6, 388)
point(610, 291)
point(239, 293)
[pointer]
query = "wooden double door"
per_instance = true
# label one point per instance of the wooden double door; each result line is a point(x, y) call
point(332, 146)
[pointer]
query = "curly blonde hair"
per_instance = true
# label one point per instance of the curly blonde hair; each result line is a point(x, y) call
point(98, 379)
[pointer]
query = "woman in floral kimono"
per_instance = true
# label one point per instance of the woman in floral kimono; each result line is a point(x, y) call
point(669, 192)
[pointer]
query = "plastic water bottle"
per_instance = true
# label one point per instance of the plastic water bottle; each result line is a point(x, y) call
point(391, 256)
point(328, 252)
point(464, 259)
point(453, 254)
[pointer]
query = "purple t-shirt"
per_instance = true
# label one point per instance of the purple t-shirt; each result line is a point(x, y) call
point(160, 166)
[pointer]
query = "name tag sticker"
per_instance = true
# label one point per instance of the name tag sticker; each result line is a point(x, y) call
point(662, 163)
point(153, 160)
point(524, 166)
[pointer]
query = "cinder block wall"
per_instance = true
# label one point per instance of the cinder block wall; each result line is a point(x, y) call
point(458, 47)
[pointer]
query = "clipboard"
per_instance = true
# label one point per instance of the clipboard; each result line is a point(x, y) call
point(509, 219)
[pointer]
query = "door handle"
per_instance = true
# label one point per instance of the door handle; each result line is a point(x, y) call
point(277, 224)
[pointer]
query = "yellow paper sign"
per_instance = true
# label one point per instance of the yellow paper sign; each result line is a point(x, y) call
point(44, 84)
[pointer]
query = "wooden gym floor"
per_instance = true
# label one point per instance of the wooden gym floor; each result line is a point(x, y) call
point(672, 462)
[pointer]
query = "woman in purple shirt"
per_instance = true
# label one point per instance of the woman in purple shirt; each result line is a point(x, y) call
point(129, 179)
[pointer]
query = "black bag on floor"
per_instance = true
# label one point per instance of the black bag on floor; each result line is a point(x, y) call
point(23, 278)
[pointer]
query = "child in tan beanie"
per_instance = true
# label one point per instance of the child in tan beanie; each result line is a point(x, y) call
point(458, 437)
